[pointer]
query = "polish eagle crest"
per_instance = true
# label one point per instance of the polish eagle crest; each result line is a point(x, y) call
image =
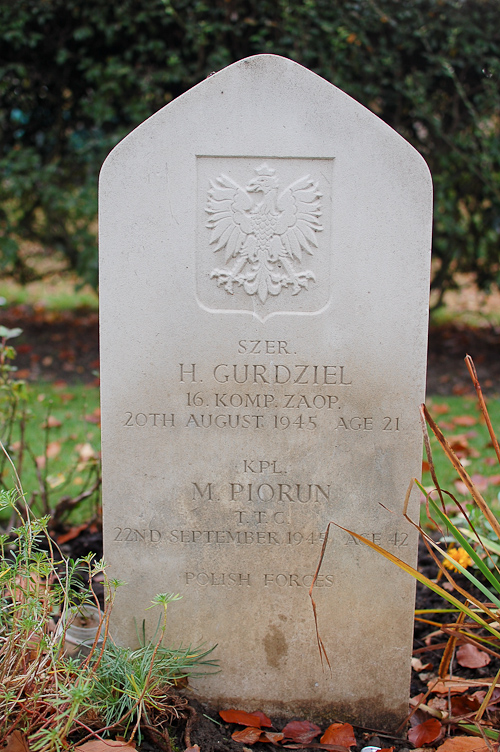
point(263, 231)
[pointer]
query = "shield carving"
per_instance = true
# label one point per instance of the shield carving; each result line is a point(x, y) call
point(263, 244)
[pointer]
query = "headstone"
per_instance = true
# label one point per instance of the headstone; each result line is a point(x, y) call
point(265, 254)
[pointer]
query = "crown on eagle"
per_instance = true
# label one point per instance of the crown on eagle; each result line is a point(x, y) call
point(265, 171)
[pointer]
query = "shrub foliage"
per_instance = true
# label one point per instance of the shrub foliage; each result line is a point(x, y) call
point(76, 77)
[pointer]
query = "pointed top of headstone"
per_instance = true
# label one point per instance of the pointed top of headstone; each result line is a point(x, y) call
point(273, 82)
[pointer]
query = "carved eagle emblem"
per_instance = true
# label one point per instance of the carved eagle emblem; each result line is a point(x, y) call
point(265, 230)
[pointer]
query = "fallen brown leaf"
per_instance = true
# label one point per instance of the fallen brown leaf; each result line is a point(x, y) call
point(301, 731)
point(469, 656)
point(481, 694)
point(103, 745)
point(439, 409)
point(273, 737)
point(85, 452)
point(480, 481)
point(425, 733)
point(74, 532)
point(53, 449)
point(463, 744)
point(248, 735)
point(52, 422)
point(339, 733)
point(417, 665)
point(16, 742)
point(454, 687)
point(94, 417)
point(460, 446)
point(55, 480)
point(463, 704)
point(264, 720)
point(417, 699)
point(422, 714)
point(438, 703)
point(241, 717)
point(465, 420)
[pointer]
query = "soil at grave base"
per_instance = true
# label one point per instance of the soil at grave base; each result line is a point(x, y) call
point(65, 346)
point(210, 736)
point(204, 725)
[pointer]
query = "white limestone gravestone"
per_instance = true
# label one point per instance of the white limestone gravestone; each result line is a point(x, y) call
point(265, 256)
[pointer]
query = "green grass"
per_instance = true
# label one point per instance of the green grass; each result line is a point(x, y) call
point(56, 293)
point(472, 442)
point(69, 444)
point(470, 318)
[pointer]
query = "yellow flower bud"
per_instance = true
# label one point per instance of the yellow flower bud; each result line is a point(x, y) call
point(460, 555)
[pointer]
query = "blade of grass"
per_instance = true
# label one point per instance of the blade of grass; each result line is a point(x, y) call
point(430, 544)
point(480, 642)
point(473, 580)
point(424, 580)
point(491, 545)
point(482, 404)
point(450, 648)
point(321, 647)
point(462, 473)
point(489, 732)
point(487, 698)
point(487, 573)
point(468, 520)
point(430, 460)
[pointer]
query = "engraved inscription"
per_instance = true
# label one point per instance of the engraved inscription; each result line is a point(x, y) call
point(263, 230)
point(280, 492)
point(298, 580)
point(391, 424)
point(266, 396)
point(211, 578)
point(259, 538)
point(238, 579)
point(301, 374)
point(266, 346)
point(397, 539)
point(134, 535)
point(225, 421)
point(262, 466)
point(255, 421)
point(266, 493)
point(157, 420)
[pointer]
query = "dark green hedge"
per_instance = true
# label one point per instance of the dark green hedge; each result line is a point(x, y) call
point(77, 75)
